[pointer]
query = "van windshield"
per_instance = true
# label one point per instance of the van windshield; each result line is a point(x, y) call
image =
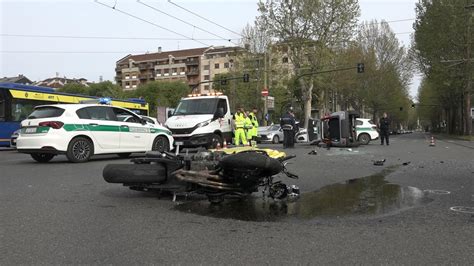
point(196, 106)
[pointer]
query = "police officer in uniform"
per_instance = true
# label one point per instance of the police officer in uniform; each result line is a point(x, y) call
point(248, 126)
point(384, 126)
point(288, 125)
point(253, 118)
point(239, 131)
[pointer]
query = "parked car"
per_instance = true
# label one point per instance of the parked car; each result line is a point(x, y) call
point(147, 119)
point(151, 120)
point(82, 130)
point(272, 134)
point(366, 130)
point(13, 138)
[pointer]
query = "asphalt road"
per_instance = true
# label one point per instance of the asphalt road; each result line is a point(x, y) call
point(351, 212)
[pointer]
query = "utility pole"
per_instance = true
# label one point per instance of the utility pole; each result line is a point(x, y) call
point(470, 8)
point(265, 107)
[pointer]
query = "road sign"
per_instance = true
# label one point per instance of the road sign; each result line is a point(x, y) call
point(270, 103)
point(264, 93)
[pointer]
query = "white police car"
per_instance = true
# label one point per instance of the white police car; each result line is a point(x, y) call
point(366, 130)
point(82, 130)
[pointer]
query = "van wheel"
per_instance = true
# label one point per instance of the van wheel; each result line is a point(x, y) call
point(42, 157)
point(160, 144)
point(80, 150)
point(215, 139)
point(364, 138)
point(276, 139)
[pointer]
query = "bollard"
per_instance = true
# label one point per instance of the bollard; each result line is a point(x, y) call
point(432, 142)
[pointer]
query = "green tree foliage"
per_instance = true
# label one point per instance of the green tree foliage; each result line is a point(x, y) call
point(160, 93)
point(241, 94)
point(383, 87)
point(439, 49)
point(105, 89)
point(75, 88)
point(310, 29)
point(101, 89)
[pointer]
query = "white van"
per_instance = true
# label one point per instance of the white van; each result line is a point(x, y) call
point(201, 120)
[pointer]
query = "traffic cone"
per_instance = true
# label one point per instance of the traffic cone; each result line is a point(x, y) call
point(432, 142)
point(224, 144)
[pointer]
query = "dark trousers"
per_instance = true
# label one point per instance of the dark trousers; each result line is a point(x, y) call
point(288, 139)
point(384, 135)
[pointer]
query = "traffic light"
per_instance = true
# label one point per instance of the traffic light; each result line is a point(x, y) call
point(360, 68)
point(413, 105)
point(246, 77)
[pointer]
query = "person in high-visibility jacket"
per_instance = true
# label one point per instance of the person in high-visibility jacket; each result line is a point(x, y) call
point(248, 126)
point(254, 120)
point(239, 131)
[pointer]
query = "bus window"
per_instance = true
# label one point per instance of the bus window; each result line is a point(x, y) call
point(2, 107)
point(21, 109)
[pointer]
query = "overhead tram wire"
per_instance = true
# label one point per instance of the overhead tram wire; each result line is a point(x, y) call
point(107, 37)
point(151, 23)
point(201, 17)
point(70, 52)
point(185, 22)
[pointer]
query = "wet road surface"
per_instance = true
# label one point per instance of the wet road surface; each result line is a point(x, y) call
point(350, 212)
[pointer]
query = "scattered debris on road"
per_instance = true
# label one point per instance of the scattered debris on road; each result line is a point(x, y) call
point(379, 162)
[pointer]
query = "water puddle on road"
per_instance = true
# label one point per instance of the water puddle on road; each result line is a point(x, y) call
point(371, 195)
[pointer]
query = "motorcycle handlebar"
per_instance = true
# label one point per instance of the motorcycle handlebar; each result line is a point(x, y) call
point(287, 158)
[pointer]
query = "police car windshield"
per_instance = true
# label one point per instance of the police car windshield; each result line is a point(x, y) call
point(196, 106)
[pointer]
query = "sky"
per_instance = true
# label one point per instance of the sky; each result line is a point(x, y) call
point(84, 38)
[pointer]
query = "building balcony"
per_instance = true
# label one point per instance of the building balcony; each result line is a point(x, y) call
point(192, 73)
point(131, 69)
point(144, 76)
point(192, 62)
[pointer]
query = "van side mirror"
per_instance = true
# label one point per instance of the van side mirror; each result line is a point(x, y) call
point(219, 113)
point(170, 113)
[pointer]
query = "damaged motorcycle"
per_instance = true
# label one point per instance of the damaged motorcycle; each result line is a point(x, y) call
point(216, 174)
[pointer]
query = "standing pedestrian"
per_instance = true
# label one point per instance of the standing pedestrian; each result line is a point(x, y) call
point(248, 127)
point(288, 125)
point(384, 126)
point(253, 118)
point(239, 132)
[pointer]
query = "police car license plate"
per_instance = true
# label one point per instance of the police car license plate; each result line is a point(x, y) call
point(30, 130)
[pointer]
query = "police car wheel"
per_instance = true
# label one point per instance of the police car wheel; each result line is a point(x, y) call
point(276, 139)
point(364, 138)
point(160, 144)
point(80, 150)
point(42, 157)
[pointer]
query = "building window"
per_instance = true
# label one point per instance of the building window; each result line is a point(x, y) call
point(216, 66)
point(206, 77)
point(206, 87)
point(226, 65)
point(285, 60)
point(206, 67)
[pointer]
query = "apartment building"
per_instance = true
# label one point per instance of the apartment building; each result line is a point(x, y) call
point(193, 66)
